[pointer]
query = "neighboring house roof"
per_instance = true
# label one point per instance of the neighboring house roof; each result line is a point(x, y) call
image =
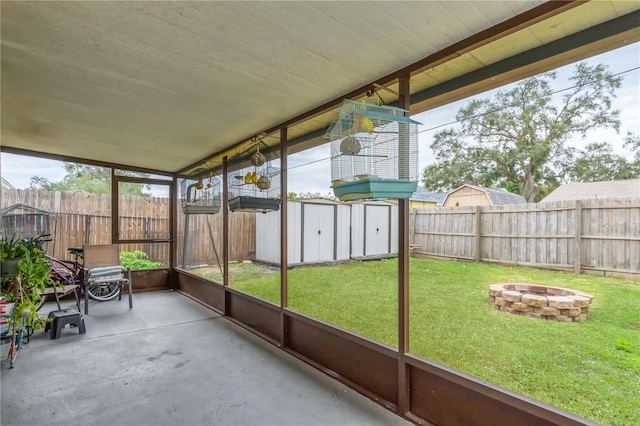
point(423, 194)
point(6, 184)
point(629, 188)
point(495, 195)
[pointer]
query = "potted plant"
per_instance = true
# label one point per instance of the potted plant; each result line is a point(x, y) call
point(25, 284)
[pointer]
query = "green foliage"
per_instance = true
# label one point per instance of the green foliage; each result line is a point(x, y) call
point(137, 260)
point(591, 368)
point(93, 179)
point(34, 275)
point(309, 195)
point(597, 162)
point(517, 140)
point(632, 143)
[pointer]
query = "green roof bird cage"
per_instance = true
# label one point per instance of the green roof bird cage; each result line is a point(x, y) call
point(254, 183)
point(200, 193)
point(374, 152)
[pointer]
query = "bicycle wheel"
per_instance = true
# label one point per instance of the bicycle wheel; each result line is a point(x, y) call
point(103, 291)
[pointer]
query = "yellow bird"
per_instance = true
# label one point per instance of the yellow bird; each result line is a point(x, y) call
point(367, 125)
point(254, 178)
point(247, 178)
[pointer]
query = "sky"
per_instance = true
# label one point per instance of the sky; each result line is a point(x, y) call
point(310, 171)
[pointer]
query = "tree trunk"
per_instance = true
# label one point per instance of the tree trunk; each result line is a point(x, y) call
point(528, 187)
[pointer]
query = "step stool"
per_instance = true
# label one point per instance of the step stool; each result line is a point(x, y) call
point(61, 318)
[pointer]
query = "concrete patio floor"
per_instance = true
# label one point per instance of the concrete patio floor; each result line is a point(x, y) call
point(170, 361)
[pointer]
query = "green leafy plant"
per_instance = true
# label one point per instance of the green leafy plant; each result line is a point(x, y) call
point(34, 275)
point(137, 260)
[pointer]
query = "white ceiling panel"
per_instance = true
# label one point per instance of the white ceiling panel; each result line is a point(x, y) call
point(160, 85)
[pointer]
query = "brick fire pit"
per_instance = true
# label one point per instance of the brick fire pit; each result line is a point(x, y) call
point(540, 301)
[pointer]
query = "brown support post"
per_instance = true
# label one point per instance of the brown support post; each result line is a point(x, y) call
point(173, 230)
point(364, 230)
point(478, 253)
point(302, 209)
point(577, 251)
point(335, 232)
point(389, 225)
point(284, 258)
point(115, 219)
point(225, 233)
point(403, 266)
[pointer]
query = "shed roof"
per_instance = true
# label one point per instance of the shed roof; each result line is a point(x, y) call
point(629, 188)
point(422, 194)
point(496, 196)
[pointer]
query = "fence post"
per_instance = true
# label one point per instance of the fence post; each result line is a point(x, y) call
point(87, 229)
point(577, 252)
point(478, 241)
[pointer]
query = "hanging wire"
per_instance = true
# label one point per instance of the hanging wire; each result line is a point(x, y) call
point(479, 115)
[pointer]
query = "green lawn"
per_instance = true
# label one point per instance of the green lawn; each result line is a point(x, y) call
point(591, 368)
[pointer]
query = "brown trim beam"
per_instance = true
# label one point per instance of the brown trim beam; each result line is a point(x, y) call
point(284, 237)
point(404, 384)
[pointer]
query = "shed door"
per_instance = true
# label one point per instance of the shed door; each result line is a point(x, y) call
point(376, 230)
point(318, 233)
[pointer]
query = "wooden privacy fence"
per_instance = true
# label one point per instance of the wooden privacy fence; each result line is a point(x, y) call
point(599, 235)
point(81, 218)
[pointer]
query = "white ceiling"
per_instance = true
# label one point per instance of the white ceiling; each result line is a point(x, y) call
point(161, 85)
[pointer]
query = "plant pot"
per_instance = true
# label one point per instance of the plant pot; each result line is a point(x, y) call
point(5, 344)
point(9, 267)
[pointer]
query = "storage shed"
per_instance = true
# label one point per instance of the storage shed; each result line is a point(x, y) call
point(374, 229)
point(472, 195)
point(321, 230)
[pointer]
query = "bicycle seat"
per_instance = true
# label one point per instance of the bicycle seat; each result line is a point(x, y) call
point(75, 250)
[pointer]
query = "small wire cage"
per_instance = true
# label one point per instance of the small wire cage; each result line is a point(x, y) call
point(23, 221)
point(374, 152)
point(200, 193)
point(254, 183)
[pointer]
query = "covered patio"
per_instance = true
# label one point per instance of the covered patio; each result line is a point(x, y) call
point(171, 361)
point(180, 89)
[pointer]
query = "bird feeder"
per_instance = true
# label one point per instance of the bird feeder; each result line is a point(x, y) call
point(200, 193)
point(374, 152)
point(254, 182)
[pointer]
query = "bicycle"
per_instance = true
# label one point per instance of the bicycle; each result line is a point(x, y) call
point(64, 274)
point(71, 272)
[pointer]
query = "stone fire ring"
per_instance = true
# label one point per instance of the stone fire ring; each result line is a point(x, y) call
point(540, 301)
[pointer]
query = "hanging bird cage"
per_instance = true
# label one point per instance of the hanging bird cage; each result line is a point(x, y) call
point(254, 183)
point(200, 193)
point(24, 222)
point(374, 152)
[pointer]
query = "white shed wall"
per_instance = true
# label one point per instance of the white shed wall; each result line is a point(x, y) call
point(268, 237)
point(332, 231)
point(342, 232)
point(357, 230)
